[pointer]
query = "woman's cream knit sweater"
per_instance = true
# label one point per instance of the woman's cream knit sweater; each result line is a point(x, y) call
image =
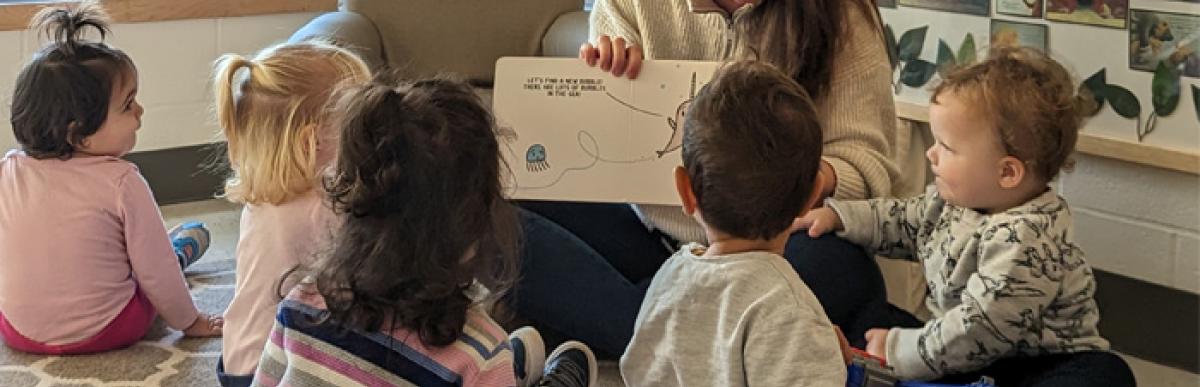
point(858, 114)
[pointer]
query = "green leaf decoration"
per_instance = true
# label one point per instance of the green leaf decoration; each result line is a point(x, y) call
point(945, 58)
point(1122, 100)
point(917, 72)
point(911, 43)
point(966, 52)
point(1151, 124)
point(1165, 90)
point(1094, 86)
point(1196, 100)
point(890, 36)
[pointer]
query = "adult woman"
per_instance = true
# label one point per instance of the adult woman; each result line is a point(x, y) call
point(586, 266)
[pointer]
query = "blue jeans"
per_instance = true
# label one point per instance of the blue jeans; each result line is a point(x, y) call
point(586, 267)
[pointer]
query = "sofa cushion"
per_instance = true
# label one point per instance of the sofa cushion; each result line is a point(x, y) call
point(424, 37)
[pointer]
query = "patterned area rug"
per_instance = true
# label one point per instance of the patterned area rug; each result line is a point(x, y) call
point(164, 357)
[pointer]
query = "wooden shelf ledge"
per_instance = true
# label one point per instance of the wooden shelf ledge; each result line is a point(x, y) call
point(1098, 145)
point(15, 16)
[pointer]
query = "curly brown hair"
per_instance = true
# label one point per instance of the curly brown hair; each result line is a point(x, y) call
point(418, 181)
point(1031, 101)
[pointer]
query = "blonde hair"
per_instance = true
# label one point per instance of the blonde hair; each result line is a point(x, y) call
point(271, 115)
point(1031, 100)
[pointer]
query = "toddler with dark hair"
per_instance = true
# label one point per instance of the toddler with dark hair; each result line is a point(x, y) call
point(426, 243)
point(735, 313)
point(87, 261)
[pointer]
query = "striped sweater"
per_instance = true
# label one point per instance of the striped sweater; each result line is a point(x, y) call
point(301, 353)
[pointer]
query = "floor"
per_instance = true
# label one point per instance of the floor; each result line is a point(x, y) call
point(222, 218)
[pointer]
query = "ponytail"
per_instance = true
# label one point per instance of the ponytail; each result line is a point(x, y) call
point(65, 27)
point(226, 99)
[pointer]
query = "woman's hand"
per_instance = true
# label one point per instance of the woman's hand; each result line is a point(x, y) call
point(828, 180)
point(613, 55)
point(844, 345)
point(206, 325)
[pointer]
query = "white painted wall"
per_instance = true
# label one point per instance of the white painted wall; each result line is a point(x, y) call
point(1133, 220)
point(174, 59)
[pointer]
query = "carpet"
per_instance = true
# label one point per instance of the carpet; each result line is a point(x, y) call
point(164, 357)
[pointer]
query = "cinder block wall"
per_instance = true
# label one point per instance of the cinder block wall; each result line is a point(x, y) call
point(1137, 221)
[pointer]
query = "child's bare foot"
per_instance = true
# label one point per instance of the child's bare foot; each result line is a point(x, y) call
point(206, 325)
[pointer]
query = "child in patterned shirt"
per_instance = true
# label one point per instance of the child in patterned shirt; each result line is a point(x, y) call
point(1011, 294)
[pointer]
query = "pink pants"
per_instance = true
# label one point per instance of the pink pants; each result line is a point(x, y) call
point(129, 327)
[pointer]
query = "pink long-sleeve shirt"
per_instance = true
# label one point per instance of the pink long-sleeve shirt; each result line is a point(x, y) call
point(77, 237)
point(273, 240)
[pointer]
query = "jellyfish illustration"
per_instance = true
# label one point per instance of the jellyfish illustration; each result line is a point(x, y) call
point(535, 158)
point(676, 123)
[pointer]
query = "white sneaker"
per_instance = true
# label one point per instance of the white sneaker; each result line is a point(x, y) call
point(529, 355)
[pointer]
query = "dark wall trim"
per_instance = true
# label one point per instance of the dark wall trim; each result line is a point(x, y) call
point(184, 174)
point(1150, 321)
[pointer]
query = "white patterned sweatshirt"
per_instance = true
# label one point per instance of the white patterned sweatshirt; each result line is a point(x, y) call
point(1001, 285)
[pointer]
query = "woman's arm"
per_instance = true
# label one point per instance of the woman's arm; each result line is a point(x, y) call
point(859, 115)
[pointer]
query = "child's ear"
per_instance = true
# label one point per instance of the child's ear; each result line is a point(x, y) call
point(1012, 172)
point(73, 127)
point(683, 185)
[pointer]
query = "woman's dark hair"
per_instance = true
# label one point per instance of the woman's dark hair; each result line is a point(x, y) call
point(803, 37)
point(62, 96)
point(418, 180)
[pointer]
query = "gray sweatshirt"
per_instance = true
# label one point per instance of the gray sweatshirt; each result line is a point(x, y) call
point(1000, 285)
point(734, 320)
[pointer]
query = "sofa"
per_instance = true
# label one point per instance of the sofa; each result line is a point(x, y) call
point(465, 37)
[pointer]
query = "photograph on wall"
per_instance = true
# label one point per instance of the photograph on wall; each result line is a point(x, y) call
point(1006, 33)
point(1027, 8)
point(892, 3)
point(1156, 37)
point(973, 7)
point(1105, 13)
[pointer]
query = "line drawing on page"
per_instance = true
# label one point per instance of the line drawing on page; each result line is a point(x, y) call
point(675, 123)
point(587, 143)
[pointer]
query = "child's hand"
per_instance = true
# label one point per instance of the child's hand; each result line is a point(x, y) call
point(877, 343)
point(206, 325)
point(844, 345)
point(818, 222)
point(613, 56)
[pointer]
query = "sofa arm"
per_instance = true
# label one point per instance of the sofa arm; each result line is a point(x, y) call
point(563, 38)
point(346, 29)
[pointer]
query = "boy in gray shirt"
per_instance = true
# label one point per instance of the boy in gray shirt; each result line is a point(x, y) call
point(735, 313)
point(1010, 291)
